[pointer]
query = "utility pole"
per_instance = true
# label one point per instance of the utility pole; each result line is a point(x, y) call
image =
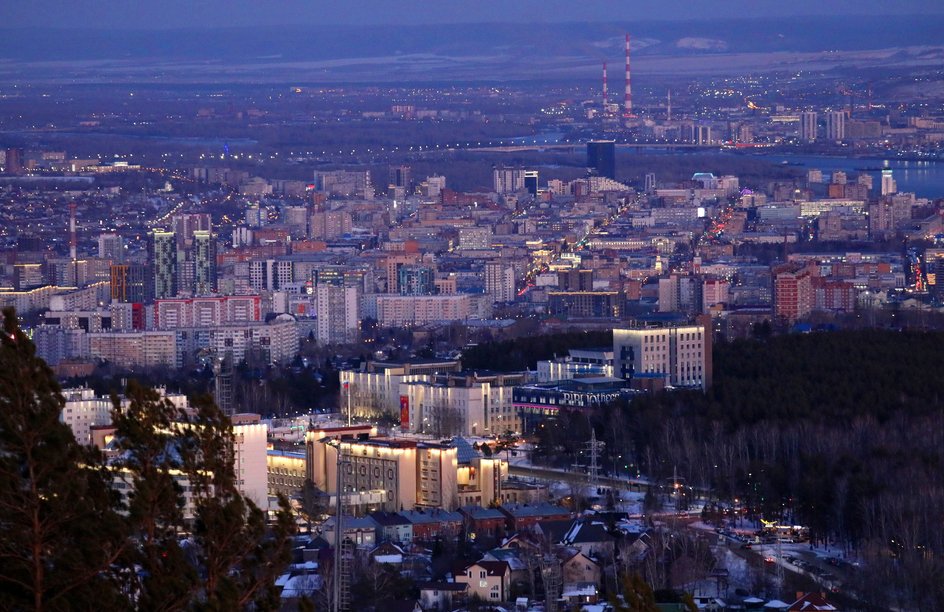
point(340, 601)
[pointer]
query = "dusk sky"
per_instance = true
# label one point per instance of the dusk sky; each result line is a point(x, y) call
point(223, 13)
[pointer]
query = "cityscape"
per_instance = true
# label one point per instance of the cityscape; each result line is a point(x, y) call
point(413, 306)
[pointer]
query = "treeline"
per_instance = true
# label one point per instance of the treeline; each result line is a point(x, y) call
point(524, 353)
point(160, 525)
point(843, 432)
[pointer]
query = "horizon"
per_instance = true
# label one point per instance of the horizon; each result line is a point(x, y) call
point(217, 14)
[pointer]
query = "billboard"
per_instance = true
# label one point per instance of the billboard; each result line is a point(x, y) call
point(404, 412)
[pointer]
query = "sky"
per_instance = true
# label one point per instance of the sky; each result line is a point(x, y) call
point(134, 14)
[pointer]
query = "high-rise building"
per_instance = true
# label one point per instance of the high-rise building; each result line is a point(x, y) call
point(836, 125)
point(186, 224)
point(508, 180)
point(270, 274)
point(808, 124)
point(400, 176)
point(131, 283)
point(500, 281)
point(111, 247)
point(793, 294)
point(601, 157)
point(204, 262)
point(415, 280)
point(889, 186)
point(679, 352)
point(336, 308)
point(531, 181)
point(162, 257)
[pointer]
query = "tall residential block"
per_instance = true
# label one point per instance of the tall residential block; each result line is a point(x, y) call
point(162, 256)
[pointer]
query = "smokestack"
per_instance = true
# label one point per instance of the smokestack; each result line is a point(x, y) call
point(628, 95)
point(72, 240)
point(604, 88)
point(73, 255)
point(668, 107)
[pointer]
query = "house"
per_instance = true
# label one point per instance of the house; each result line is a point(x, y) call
point(392, 527)
point(517, 560)
point(362, 530)
point(576, 567)
point(301, 580)
point(314, 549)
point(590, 538)
point(812, 602)
point(387, 552)
point(434, 523)
point(442, 596)
point(488, 580)
point(580, 593)
point(521, 516)
point(483, 521)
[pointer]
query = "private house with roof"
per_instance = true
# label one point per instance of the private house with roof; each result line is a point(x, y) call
point(489, 580)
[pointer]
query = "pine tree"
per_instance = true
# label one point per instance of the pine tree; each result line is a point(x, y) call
point(150, 464)
point(218, 552)
point(59, 534)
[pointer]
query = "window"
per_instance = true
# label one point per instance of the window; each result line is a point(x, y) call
point(482, 574)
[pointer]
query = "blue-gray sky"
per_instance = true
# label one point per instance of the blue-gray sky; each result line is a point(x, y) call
point(225, 13)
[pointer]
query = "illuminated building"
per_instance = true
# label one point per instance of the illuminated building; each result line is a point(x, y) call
point(680, 352)
point(162, 256)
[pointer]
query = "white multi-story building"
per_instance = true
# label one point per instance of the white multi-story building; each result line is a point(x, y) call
point(135, 349)
point(681, 353)
point(270, 274)
point(249, 458)
point(458, 404)
point(808, 125)
point(337, 312)
point(206, 311)
point(500, 281)
point(277, 338)
point(397, 310)
point(889, 186)
point(508, 180)
point(836, 125)
point(84, 410)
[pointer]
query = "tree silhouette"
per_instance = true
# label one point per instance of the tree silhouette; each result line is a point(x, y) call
point(59, 533)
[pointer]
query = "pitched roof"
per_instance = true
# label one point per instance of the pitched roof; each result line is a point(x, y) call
point(535, 510)
point(493, 568)
point(812, 602)
point(478, 513)
point(388, 519)
point(583, 532)
point(431, 515)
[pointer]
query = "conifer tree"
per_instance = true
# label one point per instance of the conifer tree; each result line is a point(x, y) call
point(59, 534)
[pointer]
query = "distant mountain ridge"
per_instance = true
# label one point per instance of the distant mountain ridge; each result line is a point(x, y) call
point(302, 43)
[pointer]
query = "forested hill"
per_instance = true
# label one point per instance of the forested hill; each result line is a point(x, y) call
point(524, 353)
point(834, 375)
point(827, 376)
